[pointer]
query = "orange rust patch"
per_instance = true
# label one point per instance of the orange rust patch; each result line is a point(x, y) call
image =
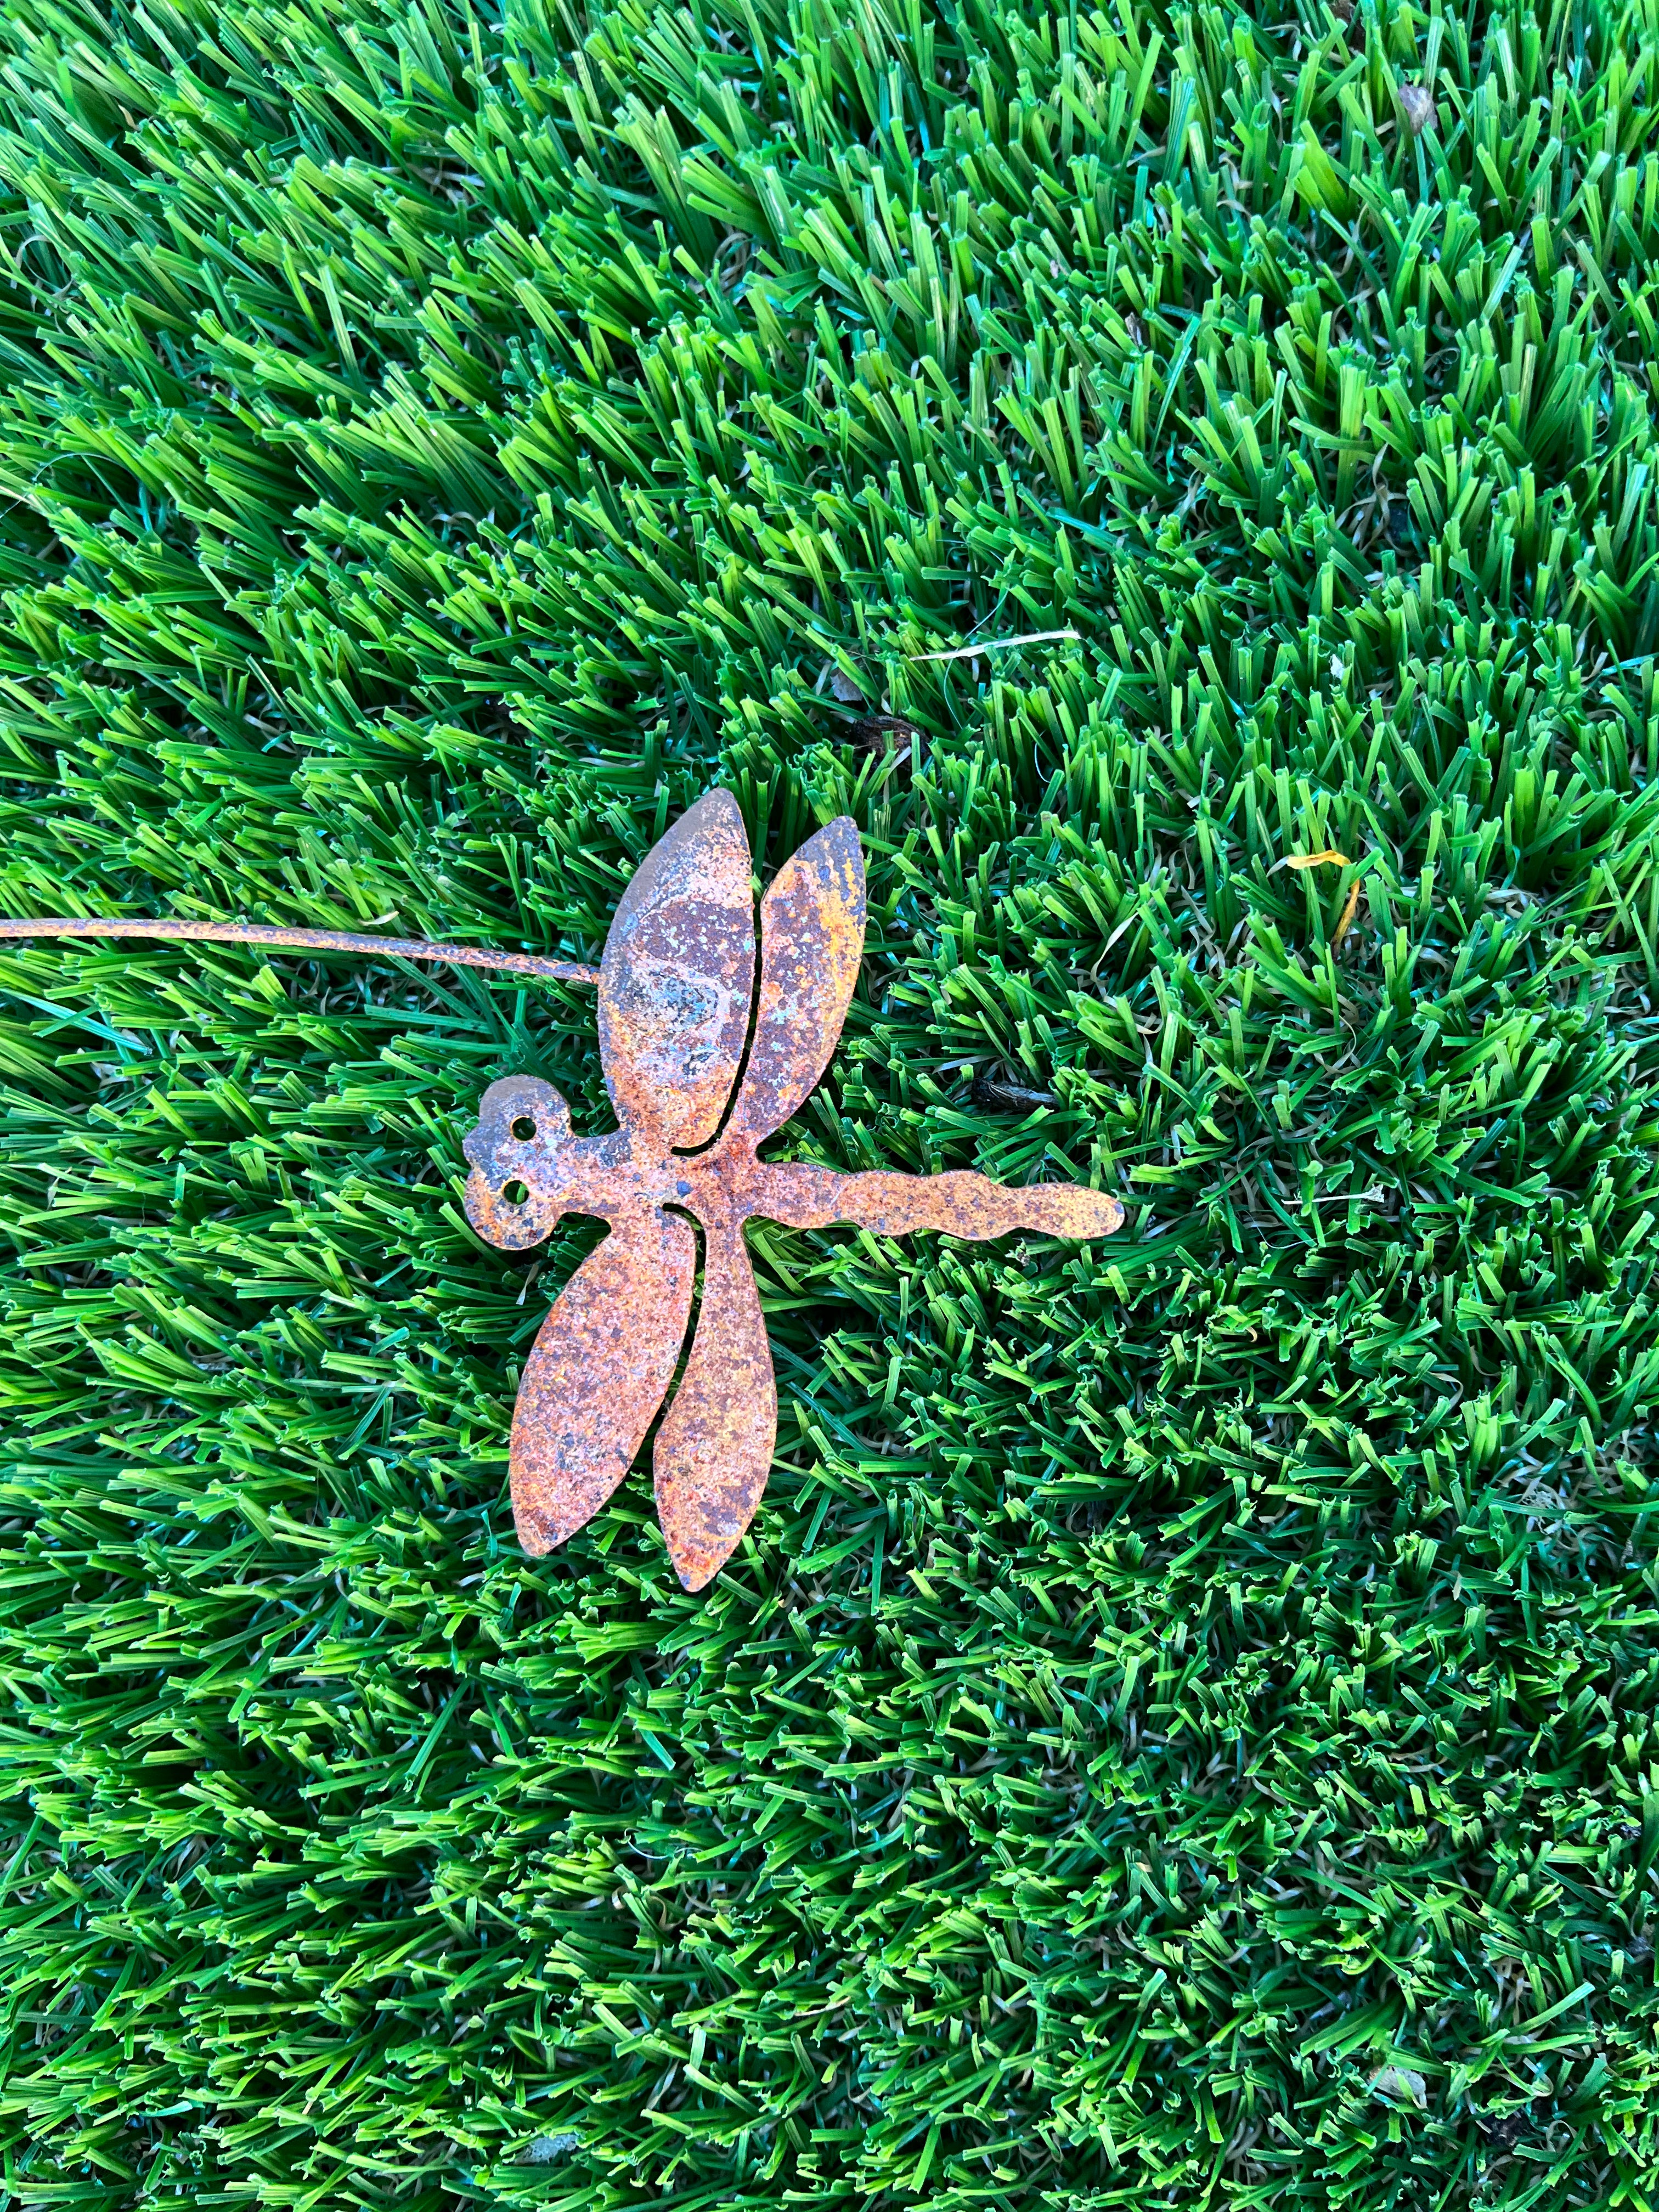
point(678, 978)
point(596, 1374)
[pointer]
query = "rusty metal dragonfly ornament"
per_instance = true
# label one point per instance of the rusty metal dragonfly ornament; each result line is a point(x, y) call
point(676, 987)
point(679, 1020)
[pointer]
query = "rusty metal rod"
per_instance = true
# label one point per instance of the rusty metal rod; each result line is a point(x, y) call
point(298, 940)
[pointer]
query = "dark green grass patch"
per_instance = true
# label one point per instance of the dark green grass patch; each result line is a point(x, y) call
point(1182, 1730)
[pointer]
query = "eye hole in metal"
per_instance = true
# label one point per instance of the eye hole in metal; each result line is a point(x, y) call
point(514, 1193)
point(524, 1128)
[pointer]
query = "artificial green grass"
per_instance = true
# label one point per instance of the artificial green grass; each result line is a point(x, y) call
point(1182, 1729)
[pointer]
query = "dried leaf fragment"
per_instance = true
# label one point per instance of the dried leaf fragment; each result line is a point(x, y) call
point(881, 731)
point(996, 645)
point(1348, 905)
point(1416, 107)
point(1401, 2084)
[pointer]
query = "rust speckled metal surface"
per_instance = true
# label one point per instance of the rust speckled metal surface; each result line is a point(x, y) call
point(677, 985)
point(298, 940)
point(596, 1378)
point(678, 978)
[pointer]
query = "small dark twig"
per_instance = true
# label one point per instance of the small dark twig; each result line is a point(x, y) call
point(990, 1089)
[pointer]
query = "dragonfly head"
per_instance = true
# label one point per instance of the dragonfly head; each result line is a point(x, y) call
point(520, 1155)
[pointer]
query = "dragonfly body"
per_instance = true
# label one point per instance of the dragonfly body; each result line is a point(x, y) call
point(676, 987)
point(615, 1180)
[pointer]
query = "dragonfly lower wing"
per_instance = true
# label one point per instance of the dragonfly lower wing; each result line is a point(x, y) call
point(713, 1452)
point(597, 1374)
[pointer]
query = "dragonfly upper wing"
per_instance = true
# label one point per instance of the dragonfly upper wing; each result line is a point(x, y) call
point(811, 942)
point(713, 1450)
point(679, 975)
point(598, 1373)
